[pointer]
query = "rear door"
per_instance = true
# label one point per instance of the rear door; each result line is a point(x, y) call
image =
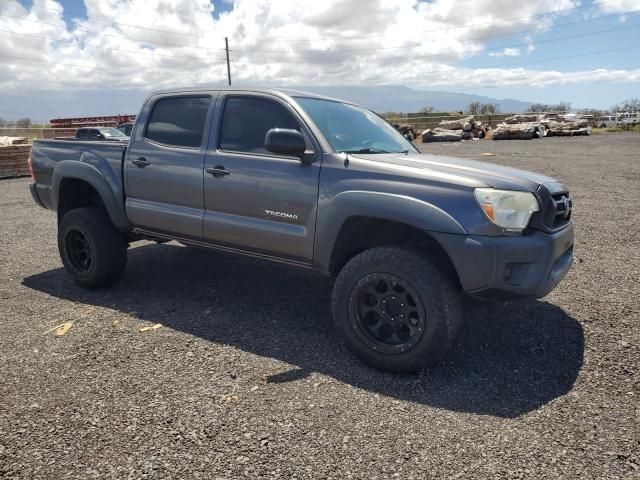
point(256, 200)
point(164, 165)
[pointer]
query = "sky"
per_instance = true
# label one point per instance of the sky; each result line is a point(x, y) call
point(67, 54)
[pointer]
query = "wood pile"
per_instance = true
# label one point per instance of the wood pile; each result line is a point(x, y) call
point(408, 131)
point(567, 128)
point(13, 141)
point(13, 161)
point(538, 125)
point(523, 118)
point(455, 130)
point(441, 135)
point(518, 131)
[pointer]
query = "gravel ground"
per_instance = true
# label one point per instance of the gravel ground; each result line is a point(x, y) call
point(246, 378)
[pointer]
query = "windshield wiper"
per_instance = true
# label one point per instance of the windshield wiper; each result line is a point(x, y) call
point(365, 150)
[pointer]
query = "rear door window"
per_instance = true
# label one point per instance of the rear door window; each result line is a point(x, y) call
point(178, 121)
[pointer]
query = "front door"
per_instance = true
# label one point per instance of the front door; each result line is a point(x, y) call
point(164, 165)
point(255, 200)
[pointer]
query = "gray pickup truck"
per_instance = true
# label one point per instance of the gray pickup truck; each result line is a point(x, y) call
point(317, 183)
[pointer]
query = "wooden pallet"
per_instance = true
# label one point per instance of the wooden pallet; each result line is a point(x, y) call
point(13, 161)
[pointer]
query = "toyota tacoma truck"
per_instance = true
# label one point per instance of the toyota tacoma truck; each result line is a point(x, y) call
point(321, 184)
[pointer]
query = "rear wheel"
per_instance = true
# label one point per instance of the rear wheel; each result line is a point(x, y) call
point(396, 309)
point(93, 252)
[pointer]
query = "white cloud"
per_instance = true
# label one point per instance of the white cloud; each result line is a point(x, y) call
point(529, 41)
point(617, 6)
point(507, 52)
point(137, 43)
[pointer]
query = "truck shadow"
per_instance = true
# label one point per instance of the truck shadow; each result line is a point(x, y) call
point(509, 359)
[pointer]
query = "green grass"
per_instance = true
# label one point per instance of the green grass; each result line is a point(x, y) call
point(629, 128)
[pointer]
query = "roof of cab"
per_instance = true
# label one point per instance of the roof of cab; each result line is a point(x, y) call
point(280, 92)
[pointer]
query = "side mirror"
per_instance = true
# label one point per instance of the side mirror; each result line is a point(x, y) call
point(285, 141)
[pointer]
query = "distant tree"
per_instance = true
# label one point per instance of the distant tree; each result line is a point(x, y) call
point(23, 122)
point(597, 113)
point(474, 108)
point(427, 109)
point(489, 108)
point(543, 107)
point(630, 105)
point(538, 107)
point(3, 123)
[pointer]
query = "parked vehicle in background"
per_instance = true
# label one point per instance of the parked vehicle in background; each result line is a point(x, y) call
point(101, 134)
point(628, 118)
point(125, 128)
point(608, 121)
point(591, 119)
point(619, 119)
point(315, 183)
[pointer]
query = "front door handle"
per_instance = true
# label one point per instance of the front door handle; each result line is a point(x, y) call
point(141, 162)
point(218, 171)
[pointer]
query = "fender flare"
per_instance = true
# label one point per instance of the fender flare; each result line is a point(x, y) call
point(379, 205)
point(103, 180)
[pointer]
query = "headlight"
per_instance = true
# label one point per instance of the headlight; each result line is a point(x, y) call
point(508, 209)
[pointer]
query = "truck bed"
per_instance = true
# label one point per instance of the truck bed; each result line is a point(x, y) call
point(105, 157)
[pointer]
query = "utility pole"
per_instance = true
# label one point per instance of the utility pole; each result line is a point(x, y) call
point(226, 47)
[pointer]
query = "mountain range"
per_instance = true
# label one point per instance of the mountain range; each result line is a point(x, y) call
point(42, 106)
point(399, 98)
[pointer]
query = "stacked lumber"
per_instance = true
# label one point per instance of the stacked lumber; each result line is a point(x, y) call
point(537, 125)
point(523, 118)
point(13, 141)
point(13, 161)
point(455, 130)
point(518, 131)
point(523, 126)
point(408, 131)
point(441, 135)
point(561, 127)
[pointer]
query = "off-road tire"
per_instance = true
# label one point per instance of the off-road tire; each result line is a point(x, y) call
point(436, 291)
point(106, 247)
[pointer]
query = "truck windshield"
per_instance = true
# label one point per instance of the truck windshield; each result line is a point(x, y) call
point(111, 132)
point(352, 129)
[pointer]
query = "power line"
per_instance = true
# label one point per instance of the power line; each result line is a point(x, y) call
point(487, 37)
point(112, 49)
point(93, 67)
point(106, 20)
point(422, 72)
point(544, 14)
point(447, 55)
point(293, 40)
point(227, 59)
point(566, 57)
point(484, 37)
point(153, 42)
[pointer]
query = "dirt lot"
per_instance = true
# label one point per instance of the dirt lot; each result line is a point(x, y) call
point(247, 378)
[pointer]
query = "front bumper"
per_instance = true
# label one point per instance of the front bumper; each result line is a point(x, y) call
point(502, 268)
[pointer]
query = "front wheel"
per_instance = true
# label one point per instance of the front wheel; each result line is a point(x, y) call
point(396, 310)
point(93, 252)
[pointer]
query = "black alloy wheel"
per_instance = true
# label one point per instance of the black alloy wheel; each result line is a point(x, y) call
point(79, 250)
point(387, 313)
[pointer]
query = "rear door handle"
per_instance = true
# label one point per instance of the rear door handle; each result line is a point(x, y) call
point(141, 162)
point(218, 171)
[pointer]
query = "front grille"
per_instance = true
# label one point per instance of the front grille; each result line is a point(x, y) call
point(558, 211)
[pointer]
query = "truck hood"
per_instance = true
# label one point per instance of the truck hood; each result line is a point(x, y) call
point(486, 174)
